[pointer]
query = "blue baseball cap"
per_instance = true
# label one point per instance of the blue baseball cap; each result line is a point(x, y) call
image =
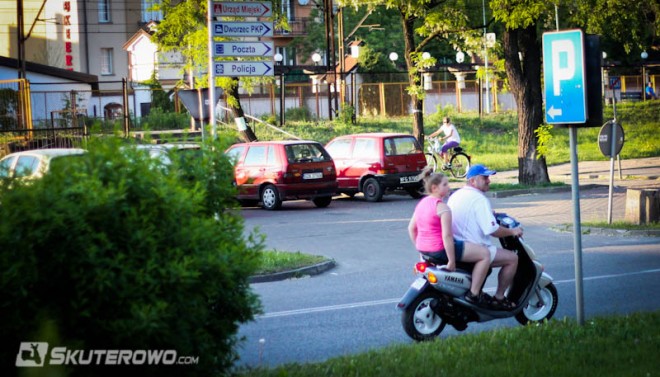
point(476, 170)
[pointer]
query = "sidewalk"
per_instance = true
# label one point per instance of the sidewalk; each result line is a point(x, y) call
point(637, 173)
point(555, 203)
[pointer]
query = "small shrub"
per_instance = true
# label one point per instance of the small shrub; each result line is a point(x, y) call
point(161, 120)
point(297, 114)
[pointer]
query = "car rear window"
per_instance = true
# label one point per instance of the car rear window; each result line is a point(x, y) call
point(307, 152)
point(397, 146)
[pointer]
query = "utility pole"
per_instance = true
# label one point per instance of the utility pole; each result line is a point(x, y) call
point(21, 40)
point(342, 56)
point(329, 49)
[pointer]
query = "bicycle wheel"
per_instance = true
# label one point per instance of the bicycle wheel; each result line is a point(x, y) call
point(460, 164)
point(431, 161)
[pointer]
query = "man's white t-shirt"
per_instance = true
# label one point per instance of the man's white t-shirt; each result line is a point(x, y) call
point(472, 217)
point(447, 129)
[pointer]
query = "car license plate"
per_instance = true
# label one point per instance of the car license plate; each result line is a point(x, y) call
point(317, 175)
point(411, 178)
point(418, 284)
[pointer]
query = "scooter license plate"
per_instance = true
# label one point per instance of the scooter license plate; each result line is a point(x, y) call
point(418, 284)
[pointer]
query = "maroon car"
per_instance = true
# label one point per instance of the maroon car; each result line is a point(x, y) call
point(271, 172)
point(377, 163)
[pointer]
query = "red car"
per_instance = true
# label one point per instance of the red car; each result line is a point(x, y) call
point(271, 172)
point(377, 163)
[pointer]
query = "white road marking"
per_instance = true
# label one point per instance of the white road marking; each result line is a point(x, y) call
point(396, 300)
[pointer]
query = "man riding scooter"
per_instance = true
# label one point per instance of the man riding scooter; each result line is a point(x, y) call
point(474, 221)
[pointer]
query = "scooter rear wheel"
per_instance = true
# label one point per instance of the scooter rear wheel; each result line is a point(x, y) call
point(534, 312)
point(420, 321)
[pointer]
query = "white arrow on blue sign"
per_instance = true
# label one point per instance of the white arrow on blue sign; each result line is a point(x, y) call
point(244, 68)
point(564, 76)
point(242, 29)
point(242, 49)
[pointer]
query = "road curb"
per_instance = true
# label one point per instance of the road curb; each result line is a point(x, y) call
point(543, 190)
point(315, 269)
point(589, 230)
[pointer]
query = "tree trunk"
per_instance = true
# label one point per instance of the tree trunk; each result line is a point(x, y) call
point(239, 116)
point(413, 79)
point(522, 53)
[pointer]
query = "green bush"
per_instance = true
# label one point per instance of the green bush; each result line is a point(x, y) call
point(118, 252)
point(298, 113)
point(162, 120)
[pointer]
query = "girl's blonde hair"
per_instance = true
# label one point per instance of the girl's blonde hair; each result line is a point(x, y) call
point(430, 178)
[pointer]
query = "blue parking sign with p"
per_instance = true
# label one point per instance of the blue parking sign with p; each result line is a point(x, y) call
point(564, 77)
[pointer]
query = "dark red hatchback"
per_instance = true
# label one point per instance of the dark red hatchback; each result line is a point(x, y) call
point(271, 172)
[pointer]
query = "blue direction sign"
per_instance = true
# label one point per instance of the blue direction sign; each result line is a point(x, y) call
point(244, 68)
point(243, 9)
point(242, 29)
point(222, 49)
point(564, 76)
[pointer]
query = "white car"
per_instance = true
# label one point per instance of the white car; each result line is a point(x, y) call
point(35, 163)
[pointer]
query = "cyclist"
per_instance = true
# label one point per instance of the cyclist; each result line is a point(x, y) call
point(452, 139)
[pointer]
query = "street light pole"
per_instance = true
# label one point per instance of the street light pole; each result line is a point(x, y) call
point(316, 58)
point(644, 56)
point(279, 58)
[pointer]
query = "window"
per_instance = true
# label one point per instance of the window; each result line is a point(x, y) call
point(106, 61)
point(406, 145)
point(148, 11)
point(256, 155)
point(340, 148)
point(235, 153)
point(26, 166)
point(104, 11)
point(364, 148)
point(5, 166)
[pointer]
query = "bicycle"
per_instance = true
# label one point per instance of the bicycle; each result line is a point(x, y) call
point(459, 161)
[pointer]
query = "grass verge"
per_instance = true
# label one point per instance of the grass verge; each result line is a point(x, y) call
point(621, 225)
point(277, 261)
point(517, 186)
point(604, 346)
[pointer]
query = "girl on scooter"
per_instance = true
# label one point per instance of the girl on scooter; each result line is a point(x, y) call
point(430, 231)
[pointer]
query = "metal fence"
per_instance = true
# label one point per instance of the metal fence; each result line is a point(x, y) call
point(62, 118)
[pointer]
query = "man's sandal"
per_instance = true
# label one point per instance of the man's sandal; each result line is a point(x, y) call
point(502, 304)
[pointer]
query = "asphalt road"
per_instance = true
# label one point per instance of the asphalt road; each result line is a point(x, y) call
point(351, 308)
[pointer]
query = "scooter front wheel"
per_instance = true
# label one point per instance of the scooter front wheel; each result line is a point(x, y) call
point(419, 321)
point(540, 308)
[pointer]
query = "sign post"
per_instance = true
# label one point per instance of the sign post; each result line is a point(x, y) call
point(566, 103)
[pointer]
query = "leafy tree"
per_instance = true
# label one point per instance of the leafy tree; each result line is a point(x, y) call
point(425, 23)
point(522, 54)
point(114, 250)
point(628, 27)
point(160, 99)
point(628, 23)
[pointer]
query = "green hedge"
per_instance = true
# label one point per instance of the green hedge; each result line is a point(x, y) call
point(117, 251)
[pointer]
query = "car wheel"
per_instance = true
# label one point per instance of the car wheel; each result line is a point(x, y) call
point(322, 201)
point(415, 192)
point(270, 198)
point(372, 190)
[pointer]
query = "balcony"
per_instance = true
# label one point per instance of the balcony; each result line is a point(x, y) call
point(298, 29)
